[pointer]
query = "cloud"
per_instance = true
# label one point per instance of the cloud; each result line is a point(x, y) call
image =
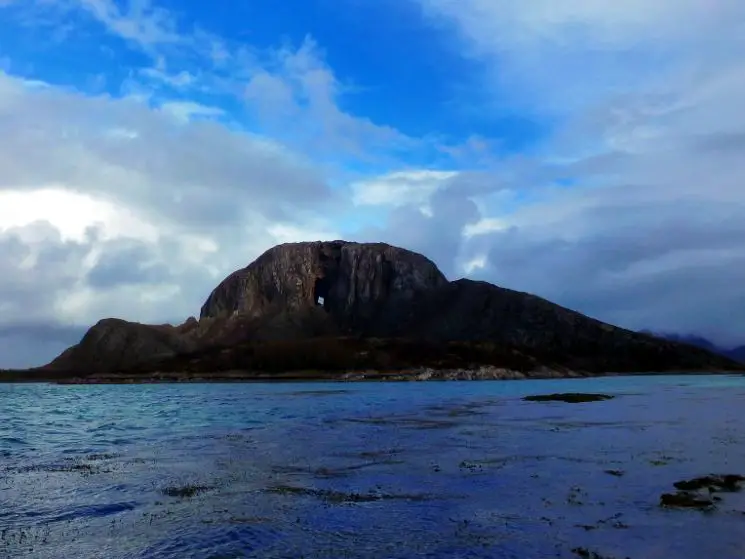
point(554, 57)
point(24, 344)
point(137, 20)
point(436, 232)
point(400, 188)
point(187, 111)
point(295, 96)
point(122, 151)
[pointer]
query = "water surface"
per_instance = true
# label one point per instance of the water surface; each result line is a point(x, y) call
point(400, 470)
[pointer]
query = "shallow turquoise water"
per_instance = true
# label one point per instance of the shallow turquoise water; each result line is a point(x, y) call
point(457, 469)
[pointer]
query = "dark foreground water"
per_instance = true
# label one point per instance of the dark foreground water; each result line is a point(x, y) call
point(368, 470)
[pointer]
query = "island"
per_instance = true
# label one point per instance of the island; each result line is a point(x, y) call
point(338, 310)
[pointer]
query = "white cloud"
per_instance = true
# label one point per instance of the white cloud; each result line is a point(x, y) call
point(72, 214)
point(185, 111)
point(551, 56)
point(140, 21)
point(593, 22)
point(295, 96)
point(293, 233)
point(400, 188)
point(484, 226)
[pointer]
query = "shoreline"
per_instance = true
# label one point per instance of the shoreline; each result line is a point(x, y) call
point(422, 374)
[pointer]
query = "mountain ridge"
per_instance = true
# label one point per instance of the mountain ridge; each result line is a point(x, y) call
point(339, 305)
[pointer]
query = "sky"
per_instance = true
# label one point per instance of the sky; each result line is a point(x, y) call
point(589, 151)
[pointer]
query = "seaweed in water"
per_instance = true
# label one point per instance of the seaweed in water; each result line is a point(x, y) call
point(331, 496)
point(685, 499)
point(616, 473)
point(185, 491)
point(568, 397)
point(587, 554)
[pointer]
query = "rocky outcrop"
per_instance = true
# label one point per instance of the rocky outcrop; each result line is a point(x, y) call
point(340, 292)
point(352, 282)
point(113, 344)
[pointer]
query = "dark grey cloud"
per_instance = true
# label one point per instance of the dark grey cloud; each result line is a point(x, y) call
point(52, 289)
point(673, 266)
point(720, 143)
point(25, 344)
point(128, 262)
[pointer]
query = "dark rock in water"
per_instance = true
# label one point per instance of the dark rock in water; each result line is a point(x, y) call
point(585, 553)
point(727, 482)
point(616, 473)
point(301, 292)
point(689, 491)
point(569, 397)
point(685, 499)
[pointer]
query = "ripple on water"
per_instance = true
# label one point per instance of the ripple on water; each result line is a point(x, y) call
point(398, 471)
point(14, 441)
point(232, 540)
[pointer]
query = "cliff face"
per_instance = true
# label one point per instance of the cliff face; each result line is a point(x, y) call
point(352, 282)
point(295, 292)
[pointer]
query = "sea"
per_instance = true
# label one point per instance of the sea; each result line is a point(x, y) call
point(369, 470)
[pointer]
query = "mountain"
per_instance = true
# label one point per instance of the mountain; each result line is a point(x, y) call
point(337, 305)
point(737, 353)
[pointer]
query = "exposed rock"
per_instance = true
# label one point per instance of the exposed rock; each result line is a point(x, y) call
point(685, 499)
point(585, 553)
point(690, 491)
point(356, 296)
point(727, 482)
point(354, 281)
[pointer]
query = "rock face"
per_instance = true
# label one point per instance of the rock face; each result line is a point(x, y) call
point(333, 289)
point(353, 282)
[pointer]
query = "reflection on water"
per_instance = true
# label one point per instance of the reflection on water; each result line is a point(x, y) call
point(368, 470)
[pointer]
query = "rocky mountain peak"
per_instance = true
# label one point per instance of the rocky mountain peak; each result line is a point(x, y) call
point(351, 281)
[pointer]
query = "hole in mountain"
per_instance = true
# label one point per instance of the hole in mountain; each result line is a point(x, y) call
point(321, 292)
